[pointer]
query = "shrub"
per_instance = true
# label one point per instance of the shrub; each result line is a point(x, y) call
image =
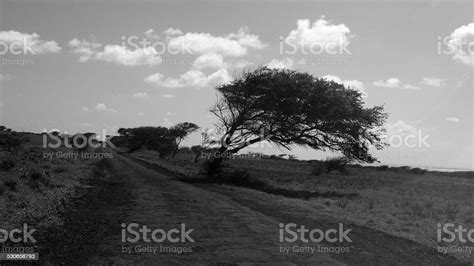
point(418, 171)
point(11, 183)
point(3, 189)
point(319, 168)
point(337, 163)
point(382, 168)
point(59, 170)
point(7, 164)
point(242, 178)
point(37, 175)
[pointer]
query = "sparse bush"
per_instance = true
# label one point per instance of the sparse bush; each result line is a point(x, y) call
point(418, 171)
point(337, 163)
point(7, 164)
point(11, 183)
point(59, 169)
point(242, 178)
point(319, 168)
point(36, 175)
point(3, 189)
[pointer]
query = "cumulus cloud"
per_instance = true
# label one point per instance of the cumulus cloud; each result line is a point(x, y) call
point(211, 60)
point(113, 53)
point(434, 82)
point(100, 107)
point(453, 119)
point(281, 64)
point(350, 84)
point(320, 34)
point(140, 95)
point(411, 87)
point(192, 78)
point(460, 42)
point(25, 43)
point(400, 128)
point(173, 31)
point(390, 83)
point(103, 108)
point(233, 44)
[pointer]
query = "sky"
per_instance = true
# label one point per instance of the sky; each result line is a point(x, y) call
point(90, 66)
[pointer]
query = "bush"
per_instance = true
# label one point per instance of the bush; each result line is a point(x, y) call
point(382, 168)
point(319, 168)
point(337, 163)
point(242, 178)
point(3, 189)
point(7, 164)
point(11, 183)
point(418, 171)
point(59, 170)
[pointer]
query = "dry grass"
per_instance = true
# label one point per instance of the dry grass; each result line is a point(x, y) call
point(400, 202)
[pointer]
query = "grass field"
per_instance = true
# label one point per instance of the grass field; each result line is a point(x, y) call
point(397, 201)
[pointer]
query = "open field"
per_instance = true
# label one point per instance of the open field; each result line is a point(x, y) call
point(395, 201)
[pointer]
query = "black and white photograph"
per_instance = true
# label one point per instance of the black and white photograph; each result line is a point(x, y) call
point(236, 132)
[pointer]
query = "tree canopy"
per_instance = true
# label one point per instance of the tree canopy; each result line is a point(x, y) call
point(287, 108)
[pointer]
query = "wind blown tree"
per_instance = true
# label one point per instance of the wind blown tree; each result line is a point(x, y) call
point(180, 132)
point(287, 107)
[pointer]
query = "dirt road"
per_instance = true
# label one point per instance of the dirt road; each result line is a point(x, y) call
point(225, 230)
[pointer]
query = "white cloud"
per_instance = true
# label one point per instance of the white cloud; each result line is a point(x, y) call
point(113, 53)
point(400, 128)
point(320, 34)
point(390, 83)
point(192, 78)
point(140, 95)
point(281, 64)
point(168, 96)
point(233, 44)
point(352, 84)
point(35, 45)
point(101, 107)
point(460, 42)
point(173, 31)
point(411, 87)
point(211, 60)
point(434, 82)
point(242, 63)
point(453, 119)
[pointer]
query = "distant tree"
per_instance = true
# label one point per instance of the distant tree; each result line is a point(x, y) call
point(11, 140)
point(140, 137)
point(180, 132)
point(287, 108)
